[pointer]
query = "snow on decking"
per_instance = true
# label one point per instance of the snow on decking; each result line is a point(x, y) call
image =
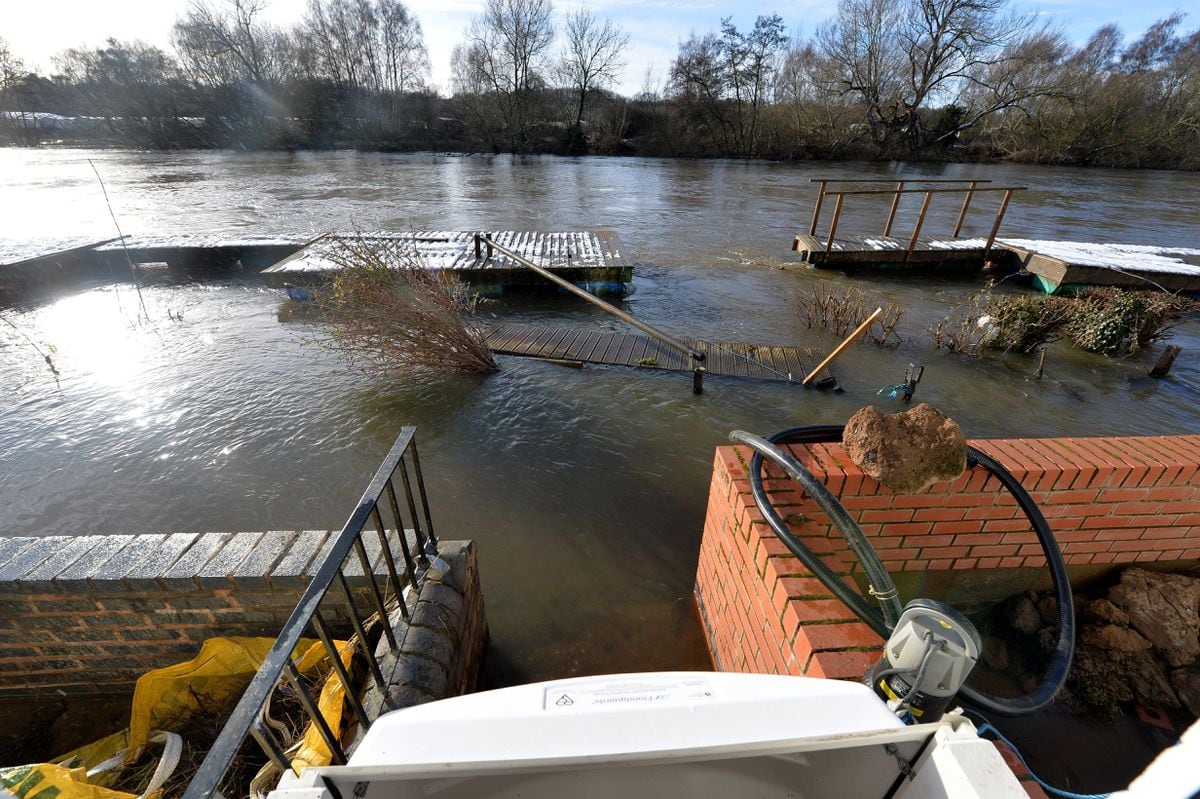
point(456, 250)
point(1137, 257)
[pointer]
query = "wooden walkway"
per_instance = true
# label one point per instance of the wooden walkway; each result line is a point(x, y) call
point(850, 252)
point(581, 256)
point(574, 345)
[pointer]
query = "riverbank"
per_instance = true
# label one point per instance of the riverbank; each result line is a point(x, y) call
point(215, 415)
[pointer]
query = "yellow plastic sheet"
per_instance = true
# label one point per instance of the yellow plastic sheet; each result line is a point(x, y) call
point(313, 751)
point(166, 699)
point(47, 781)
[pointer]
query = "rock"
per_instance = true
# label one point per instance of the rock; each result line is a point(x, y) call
point(1148, 680)
point(1023, 615)
point(1104, 612)
point(1097, 677)
point(906, 451)
point(995, 653)
point(1048, 609)
point(1186, 683)
point(1113, 638)
point(1047, 639)
point(1165, 608)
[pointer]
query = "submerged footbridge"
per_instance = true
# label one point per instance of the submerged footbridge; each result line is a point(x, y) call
point(652, 350)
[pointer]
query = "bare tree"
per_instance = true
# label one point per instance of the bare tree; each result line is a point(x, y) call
point(752, 59)
point(505, 53)
point(11, 68)
point(133, 86)
point(375, 45)
point(222, 44)
point(592, 59)
point(724, 81)
point(901, 56)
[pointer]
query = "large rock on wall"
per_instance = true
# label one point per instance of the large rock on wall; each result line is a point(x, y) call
point(906, 451)
point(1165, 609)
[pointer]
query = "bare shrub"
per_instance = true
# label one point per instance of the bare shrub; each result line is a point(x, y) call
point(841, 311)
point(389, 314)
point(962, 334)
point(1024, 322)
point(1114, 321)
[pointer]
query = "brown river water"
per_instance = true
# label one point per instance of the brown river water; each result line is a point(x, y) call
point(585, 489)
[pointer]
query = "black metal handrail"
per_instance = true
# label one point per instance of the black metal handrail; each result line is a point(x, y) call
point(246, 718)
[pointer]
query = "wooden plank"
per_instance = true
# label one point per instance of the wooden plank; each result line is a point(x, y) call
point(625, 353)
point(551, 344)
point(506, 337)
point(595, 339)
point(539, 340)
point(566, 343)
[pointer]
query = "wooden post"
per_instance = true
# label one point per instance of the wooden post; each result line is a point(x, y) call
point(839, 349)
point(837, 213)
point(962, 214)
point(812, 228)
point(912, 243)
point(887, 229)
point(698, 380)
point(987, 250)
point(1166, 360)
point(1041, 362)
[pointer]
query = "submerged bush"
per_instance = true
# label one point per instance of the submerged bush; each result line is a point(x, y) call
point(1109, 321)
point(1112, 321)
point(1024, 322)
point(841, 311)
point(389, 313)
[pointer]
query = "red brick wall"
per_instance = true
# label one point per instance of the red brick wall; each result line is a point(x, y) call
point(1108, 501)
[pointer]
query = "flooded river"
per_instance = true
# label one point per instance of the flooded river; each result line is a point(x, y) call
point(585, 489)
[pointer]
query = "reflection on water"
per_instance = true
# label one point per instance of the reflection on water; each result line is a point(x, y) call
point(585, 489)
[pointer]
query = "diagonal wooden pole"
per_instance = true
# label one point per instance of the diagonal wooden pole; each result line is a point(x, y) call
point(833, 356)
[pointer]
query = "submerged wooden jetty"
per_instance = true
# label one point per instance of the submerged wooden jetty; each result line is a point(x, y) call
point(588, 258)
point(1058, 265)
point(847, 253)
point(577, 347)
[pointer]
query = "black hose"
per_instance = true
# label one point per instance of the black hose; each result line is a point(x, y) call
point(1060, 664)
point(882, 586)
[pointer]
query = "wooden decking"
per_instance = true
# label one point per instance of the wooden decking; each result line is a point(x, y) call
point(753, 361)
point(1055, 265)
point(579, 256)
point(856, 252)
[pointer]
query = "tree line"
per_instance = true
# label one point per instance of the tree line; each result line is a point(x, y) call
point(881, 79)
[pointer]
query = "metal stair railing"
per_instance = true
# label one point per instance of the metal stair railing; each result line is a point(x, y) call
point(381, 509)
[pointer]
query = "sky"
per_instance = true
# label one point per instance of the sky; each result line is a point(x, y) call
point(35, 31)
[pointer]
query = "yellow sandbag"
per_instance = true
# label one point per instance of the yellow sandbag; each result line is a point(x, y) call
point(95, 753)
point(46, 781)
point(313, 751)
point(166, 698)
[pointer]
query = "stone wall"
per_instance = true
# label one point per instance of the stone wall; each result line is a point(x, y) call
point(1109, 501)
point(86, 615)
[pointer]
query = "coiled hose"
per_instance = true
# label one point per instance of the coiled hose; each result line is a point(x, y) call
point(881, 585)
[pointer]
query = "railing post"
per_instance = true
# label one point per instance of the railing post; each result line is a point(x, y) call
point(887, 229)
point(812, 228)
point(912, 243)
point(837, 213)
point(987, 250)
point(478, 246)
point(962, 214)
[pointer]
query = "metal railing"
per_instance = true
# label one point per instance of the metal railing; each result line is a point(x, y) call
point(968, 193)
point(380, 508)
point(483, 241)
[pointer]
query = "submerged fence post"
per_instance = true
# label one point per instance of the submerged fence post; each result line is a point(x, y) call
point(887, 229)
point(812, 228)
point(962, 214)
